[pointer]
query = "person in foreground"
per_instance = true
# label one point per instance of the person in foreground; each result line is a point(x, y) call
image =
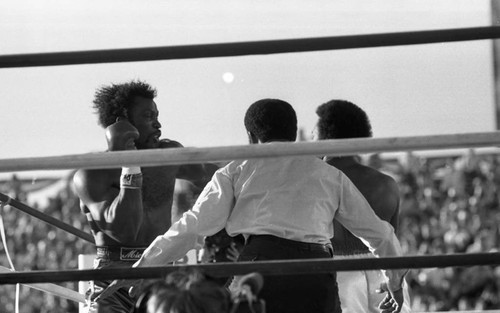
point(339, 119)
point(184, 291)
point(284, 207)
point(128, 208)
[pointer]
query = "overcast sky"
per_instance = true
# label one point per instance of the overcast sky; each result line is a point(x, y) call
point(407, 91)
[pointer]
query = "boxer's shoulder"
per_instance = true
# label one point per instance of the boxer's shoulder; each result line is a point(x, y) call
point(93, 184)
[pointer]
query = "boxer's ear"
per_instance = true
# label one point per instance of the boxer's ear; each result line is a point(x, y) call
point(252, 139)
point(122, 115)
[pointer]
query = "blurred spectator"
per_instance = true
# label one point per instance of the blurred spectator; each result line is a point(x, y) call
point(450, 205)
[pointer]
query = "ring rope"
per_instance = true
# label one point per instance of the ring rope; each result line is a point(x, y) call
point(187, 155)
point(281, 267)
point(233, 49)
point(4, 199)
point(248, 48)
point(6, 248)
point(2, 233)
point(45, 287)
point(52, 288)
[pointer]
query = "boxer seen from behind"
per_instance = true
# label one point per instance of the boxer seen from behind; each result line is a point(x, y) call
point(358, 290)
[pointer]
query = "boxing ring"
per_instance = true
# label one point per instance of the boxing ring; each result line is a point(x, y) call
point(43, 280)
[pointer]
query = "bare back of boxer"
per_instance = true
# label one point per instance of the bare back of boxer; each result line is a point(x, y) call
point(340, 119)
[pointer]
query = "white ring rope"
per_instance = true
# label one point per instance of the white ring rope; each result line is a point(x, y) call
point(52, 289)
point(6, 248)
point(157, 157)
point(196, 155)
point(199, 155)
point(46, 287)
point(2, 233)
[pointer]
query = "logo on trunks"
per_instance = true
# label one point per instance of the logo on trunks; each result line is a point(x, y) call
point(130, 254)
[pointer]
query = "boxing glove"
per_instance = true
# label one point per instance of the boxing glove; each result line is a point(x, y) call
point(121, 135)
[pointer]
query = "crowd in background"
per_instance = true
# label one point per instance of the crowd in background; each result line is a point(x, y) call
point(36, 245)
point(448, 205)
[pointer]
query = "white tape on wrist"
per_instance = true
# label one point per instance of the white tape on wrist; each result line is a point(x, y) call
point(131, 178)
point(131, 170)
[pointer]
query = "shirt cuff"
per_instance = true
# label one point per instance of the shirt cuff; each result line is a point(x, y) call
point(166, 249)
point(395, 279)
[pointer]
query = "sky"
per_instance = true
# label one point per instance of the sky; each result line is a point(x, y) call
point(432, 89)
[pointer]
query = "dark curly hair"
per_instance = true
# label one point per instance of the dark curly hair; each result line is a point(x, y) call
point(342, 119)
point(184, 291)
point(271, 119)
point(114, 100)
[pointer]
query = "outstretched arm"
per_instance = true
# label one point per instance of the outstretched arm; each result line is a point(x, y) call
point(393, 201)
point(358, 217)
point(208, 216)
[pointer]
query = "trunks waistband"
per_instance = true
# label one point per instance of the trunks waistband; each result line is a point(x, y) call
point(120, 253)
point(291, 243)
point(351, 252)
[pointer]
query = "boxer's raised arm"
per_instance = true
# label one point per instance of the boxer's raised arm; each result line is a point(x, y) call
point(116, 207)
point(116, 211)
